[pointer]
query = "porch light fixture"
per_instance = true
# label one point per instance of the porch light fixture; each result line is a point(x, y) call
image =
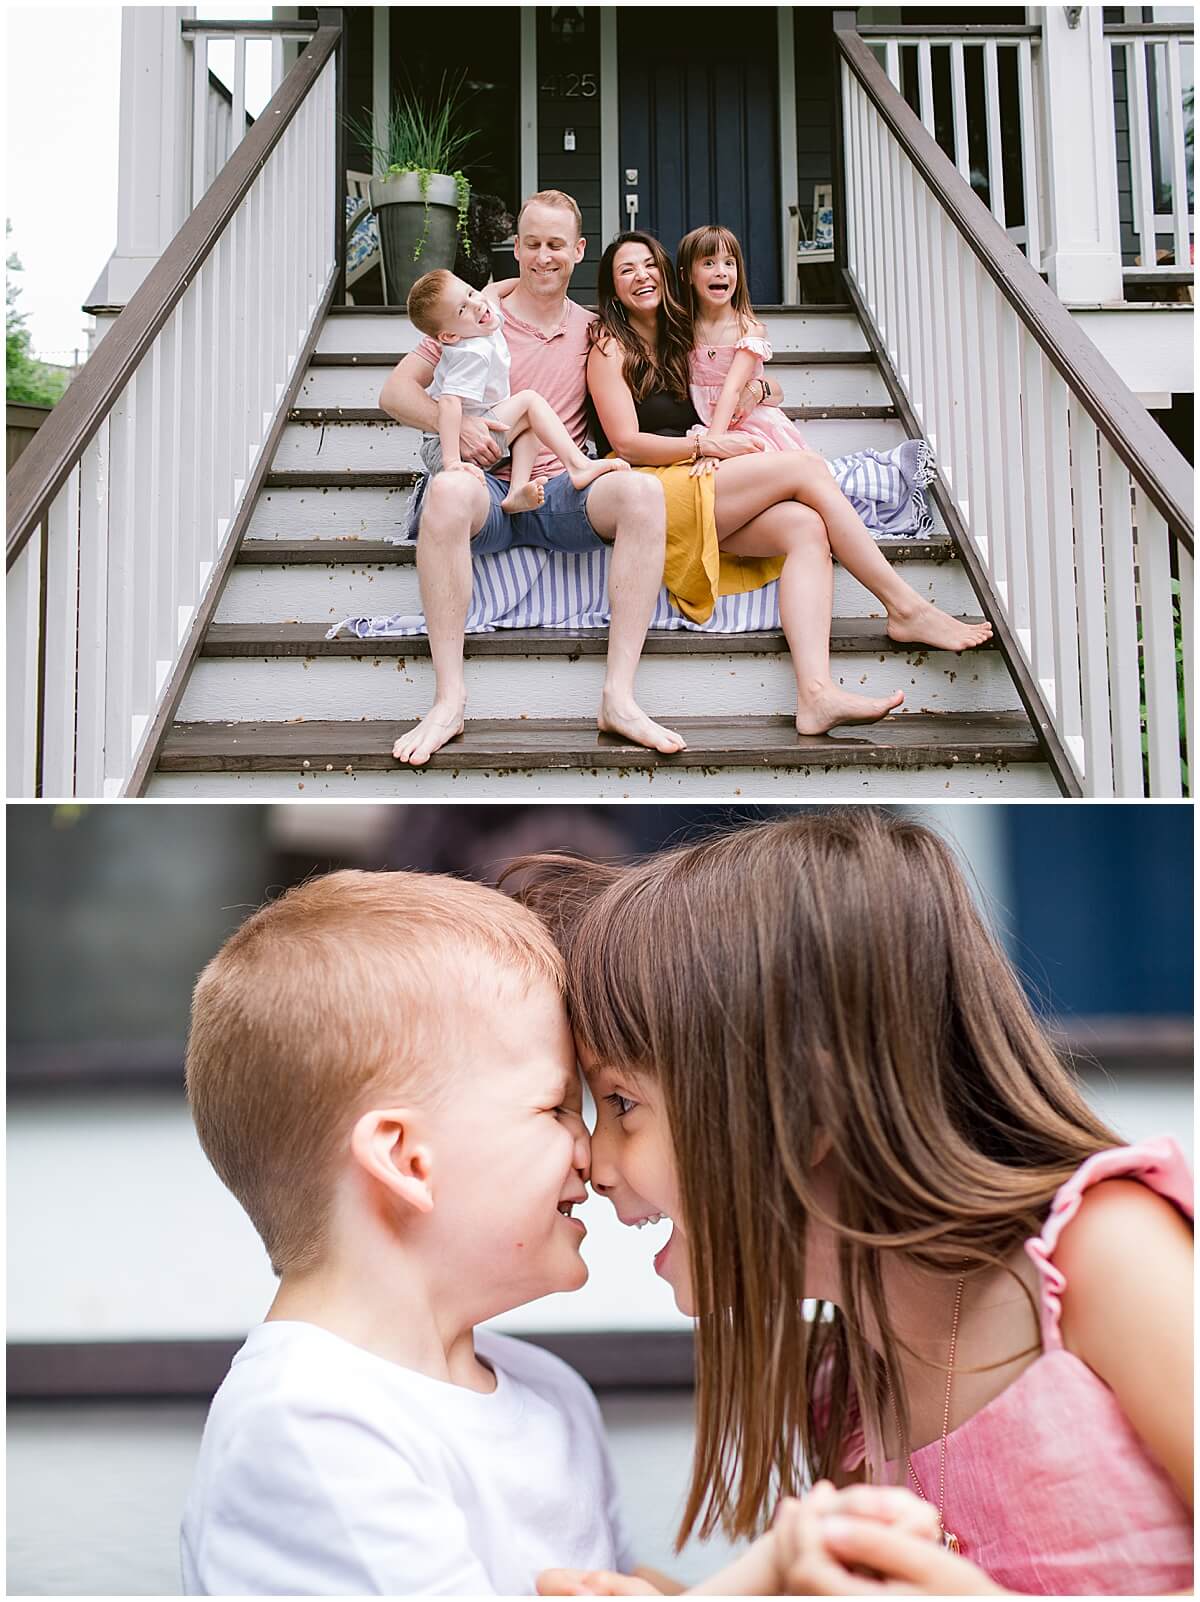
point(566, 22)
point(1073, 15)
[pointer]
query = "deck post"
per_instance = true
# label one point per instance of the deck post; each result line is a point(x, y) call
point(1083, 243)
point(154, 169)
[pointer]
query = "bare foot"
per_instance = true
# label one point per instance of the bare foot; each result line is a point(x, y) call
point(581, 477)
point(440, 724)
point(927, 624)
point(526, 499)
point(627, 719)
point(824, 706)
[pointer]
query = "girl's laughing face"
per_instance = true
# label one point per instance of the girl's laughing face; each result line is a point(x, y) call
point(714, 278)
point(633, 1164)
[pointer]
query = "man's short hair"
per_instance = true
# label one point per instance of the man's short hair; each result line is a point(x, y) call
point(343, 991)
point(557, 198)
point(425, 299)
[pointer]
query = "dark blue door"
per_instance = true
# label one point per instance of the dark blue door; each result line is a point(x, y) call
point(699, 127)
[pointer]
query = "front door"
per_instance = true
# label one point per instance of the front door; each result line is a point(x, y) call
point(700, 129)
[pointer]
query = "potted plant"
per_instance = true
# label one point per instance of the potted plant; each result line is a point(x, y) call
point(419, 193)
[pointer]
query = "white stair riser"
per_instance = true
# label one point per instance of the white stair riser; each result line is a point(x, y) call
point(277, 689)
point(1021, 781)
point(315, 594)
point(787, 331)
point(824, 385)
point(369, 514)
point(388, 448)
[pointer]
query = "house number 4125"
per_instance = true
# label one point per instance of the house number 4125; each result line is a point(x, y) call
point(569, 86)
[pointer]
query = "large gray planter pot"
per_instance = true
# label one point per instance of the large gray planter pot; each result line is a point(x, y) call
point(400, 207)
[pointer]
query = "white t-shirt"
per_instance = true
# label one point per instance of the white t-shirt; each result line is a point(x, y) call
point(476, 369)
point(325, 1470)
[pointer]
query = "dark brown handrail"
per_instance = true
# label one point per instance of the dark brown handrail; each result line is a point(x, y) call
point(971, 30)
point(1156, 30)
point(191, 26)
point(1146, 451)
point(43, 469)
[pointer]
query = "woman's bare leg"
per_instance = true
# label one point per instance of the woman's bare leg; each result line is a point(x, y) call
point(749, 484)
point(805, 605)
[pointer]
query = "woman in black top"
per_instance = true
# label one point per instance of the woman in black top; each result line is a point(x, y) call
point(784, 506)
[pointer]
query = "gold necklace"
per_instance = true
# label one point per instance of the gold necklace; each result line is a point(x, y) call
point(949, 1540)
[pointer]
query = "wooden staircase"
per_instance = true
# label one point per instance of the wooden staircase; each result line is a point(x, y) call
point(272, 708)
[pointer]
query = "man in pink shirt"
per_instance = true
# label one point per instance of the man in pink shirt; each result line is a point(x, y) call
point(459, 515)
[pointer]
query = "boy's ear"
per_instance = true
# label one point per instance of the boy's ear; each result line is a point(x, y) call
point(385, 1144)
point(448, 339)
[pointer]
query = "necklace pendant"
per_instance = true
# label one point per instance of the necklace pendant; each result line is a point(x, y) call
point(950, 1541)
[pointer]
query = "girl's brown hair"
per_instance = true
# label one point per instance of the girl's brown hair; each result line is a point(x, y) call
point(645, 371)
point(820, 975)
point(712, 240)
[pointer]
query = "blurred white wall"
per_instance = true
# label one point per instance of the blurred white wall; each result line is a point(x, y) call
point(118, 1228)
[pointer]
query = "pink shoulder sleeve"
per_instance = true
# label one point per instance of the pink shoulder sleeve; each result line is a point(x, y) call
point(1158, 1163)
point(757, 346)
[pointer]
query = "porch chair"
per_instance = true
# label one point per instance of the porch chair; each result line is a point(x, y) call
point(362, 230)
point(807, 247)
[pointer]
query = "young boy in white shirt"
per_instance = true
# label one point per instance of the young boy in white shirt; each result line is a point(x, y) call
point(381, 1070)
point(472, 376)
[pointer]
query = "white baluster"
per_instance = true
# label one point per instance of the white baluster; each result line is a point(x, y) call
point(239, 91)
point(199, 116)
point(943, 398)
point(1187, 601)
point(925, 86)
point(955, 307)
point(1139, 150)
point(1117, 523)
point(144, 541)
point(1033, 436)
point(1060, 543)
point(1158, 649)
point(62, 610)
point(188, 448)
point(1093, 626)
point(173, 445)
point(1179, 197)
point(975, 397)
point(958, 85)
point(1010, 450)
point(23, 606)
point(1029, 171)
point(995, 150)
point(94, 480)
point(891, 57)
point(122, 590)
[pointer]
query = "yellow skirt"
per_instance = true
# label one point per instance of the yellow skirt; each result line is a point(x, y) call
point(696, 569)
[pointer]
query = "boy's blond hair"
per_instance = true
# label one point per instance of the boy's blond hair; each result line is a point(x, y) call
point(344, 990)
point(425, 299)
point(557, 198)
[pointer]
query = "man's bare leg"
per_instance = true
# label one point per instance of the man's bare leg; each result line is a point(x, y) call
point(628, 509)
point(750, 484)
point(455, 508)
point(805, 607)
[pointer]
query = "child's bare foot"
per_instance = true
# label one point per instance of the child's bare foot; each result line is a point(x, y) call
point(526, 499)
point(822, 706)
point(440, 723)
point(581, 477)
point(926, 624)
point(627, 719)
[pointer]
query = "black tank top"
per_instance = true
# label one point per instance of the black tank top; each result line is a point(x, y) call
point(660, 413)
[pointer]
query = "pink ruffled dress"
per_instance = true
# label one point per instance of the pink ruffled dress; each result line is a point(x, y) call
point(709, 368)
point(1049, 1488)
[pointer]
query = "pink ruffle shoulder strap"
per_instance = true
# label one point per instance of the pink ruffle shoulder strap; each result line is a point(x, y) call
point(1158, 1163)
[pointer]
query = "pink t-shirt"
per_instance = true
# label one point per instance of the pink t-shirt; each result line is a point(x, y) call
point(1048, 1487)
point(555, 365)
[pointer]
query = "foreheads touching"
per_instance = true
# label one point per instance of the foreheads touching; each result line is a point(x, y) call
point(352, 991)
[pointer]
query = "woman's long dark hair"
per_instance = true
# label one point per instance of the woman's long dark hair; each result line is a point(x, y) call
point(645, 371)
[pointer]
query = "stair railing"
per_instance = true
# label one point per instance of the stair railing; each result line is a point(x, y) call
point(124, 512)
point(1153, 139)
point(1071, 508)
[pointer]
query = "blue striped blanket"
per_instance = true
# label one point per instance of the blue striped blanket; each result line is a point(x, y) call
point(526, 587)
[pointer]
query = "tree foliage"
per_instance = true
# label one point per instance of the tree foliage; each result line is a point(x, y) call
point(27, 382)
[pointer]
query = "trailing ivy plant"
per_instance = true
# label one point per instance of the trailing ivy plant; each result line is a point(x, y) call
point(425, 136)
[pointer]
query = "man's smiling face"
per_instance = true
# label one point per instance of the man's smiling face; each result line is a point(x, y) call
point(547, 249)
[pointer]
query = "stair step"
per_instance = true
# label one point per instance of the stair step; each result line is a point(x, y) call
point(322, 552)
point(833, 308)
point(506, 745)
point(383, 444)
point(847, 634)
point(376, 414)
point(783, 358)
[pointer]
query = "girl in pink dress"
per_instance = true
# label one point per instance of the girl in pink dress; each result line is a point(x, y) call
point(807, 1051)
point(729, 388)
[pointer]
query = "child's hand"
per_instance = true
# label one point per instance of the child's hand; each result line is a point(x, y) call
point(465, 467)
point(867, 1540)
point(592, 1582)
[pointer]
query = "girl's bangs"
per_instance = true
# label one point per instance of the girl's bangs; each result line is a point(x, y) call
point(611, 986)
point(714, 240)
